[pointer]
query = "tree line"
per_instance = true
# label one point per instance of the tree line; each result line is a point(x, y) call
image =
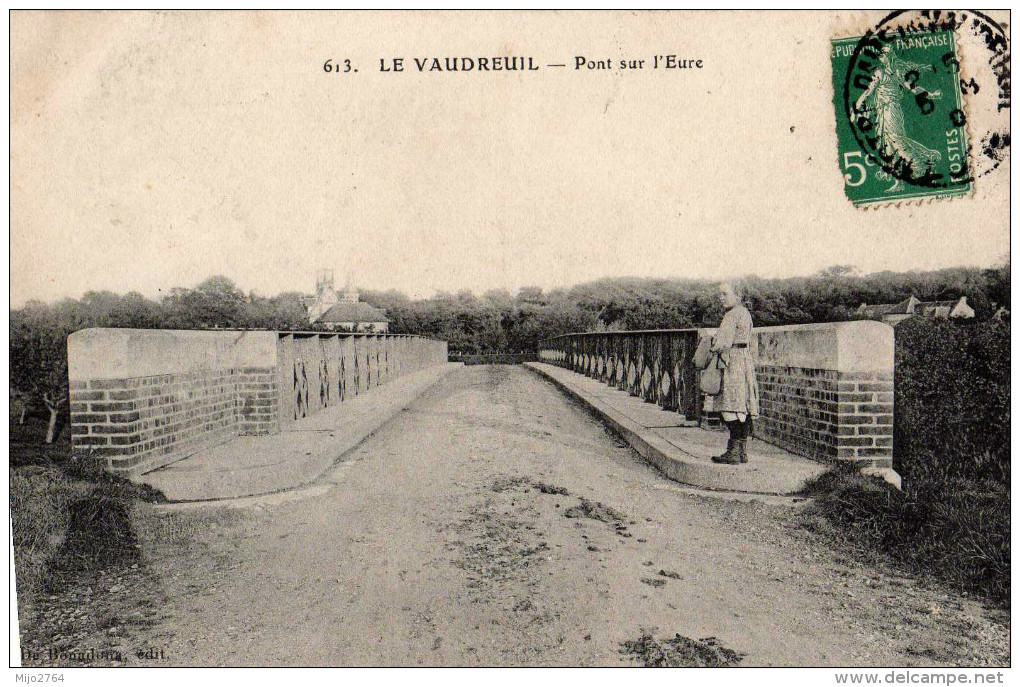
point(498, 321)
point(501, 322)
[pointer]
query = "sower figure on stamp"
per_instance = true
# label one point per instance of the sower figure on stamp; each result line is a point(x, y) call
point(738, 399)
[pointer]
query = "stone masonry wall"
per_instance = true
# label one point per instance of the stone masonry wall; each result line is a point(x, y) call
point(143, 398)
point(826, 415)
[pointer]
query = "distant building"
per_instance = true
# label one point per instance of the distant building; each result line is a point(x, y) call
point(342, 311)
point(894, 313)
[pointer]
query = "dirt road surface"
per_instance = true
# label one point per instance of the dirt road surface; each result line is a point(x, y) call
point(445, 539)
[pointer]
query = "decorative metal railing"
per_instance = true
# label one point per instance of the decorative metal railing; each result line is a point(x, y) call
point(317, 370)
point(656, 365)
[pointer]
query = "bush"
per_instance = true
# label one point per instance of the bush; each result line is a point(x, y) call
point(951, 521)
point(952, 400)
point(71, 520)
point(99, 535)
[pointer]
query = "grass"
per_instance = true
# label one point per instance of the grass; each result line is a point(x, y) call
point(68, 516)
point(40, 516)
point(83, 546)
point(64, 525)
point(954, 530)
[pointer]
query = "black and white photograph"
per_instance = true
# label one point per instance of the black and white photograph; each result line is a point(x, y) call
point(503, 339)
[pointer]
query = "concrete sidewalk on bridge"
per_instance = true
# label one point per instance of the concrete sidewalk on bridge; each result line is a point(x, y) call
point(303, 451)
point(683, 453)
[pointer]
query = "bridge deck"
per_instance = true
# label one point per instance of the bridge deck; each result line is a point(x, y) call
point(682, 452)
point(246, 466)
point(444, 539)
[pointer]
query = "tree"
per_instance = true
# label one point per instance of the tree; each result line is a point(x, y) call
point(839, 271)
point(216, 302)
point(531, 294)
point(997, 280)
point(285, 311)
point(137, 312)
point(38, 354)
point(499, 322)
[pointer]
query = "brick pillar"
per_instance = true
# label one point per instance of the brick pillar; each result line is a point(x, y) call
point(865, 418)
point(141, 399)
point(827, 390)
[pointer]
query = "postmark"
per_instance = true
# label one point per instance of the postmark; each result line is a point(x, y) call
point(905, 96)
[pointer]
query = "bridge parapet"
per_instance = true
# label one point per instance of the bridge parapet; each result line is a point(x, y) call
point(655, 365)
point(826, 389)
point(144, 398)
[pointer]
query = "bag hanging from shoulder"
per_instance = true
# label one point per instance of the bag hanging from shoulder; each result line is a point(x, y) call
point(710, 380)
point(703, 353)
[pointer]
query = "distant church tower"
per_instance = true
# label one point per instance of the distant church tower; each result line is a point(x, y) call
point(343, 311)
point(323, 281)
point(350, 293)
point(325, 296)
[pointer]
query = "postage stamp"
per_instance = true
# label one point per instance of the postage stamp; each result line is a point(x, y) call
point(922, 102)
point(900, 117)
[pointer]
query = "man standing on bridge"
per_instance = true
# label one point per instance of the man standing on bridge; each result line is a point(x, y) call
point(738, 399)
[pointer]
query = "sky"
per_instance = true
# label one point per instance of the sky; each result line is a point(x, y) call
point(152, 150)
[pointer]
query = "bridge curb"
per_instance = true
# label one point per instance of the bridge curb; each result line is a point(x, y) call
point(675, 463)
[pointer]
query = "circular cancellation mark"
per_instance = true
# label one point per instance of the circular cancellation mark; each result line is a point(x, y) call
point(904, 90)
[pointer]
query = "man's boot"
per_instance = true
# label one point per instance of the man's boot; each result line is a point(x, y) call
point(730, 457)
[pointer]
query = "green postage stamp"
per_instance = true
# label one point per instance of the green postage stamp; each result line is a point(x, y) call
point(900, 117)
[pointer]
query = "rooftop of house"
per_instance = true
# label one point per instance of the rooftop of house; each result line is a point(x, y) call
point(908, 306)
point(938, 304)
point(901, 308)
point(353, 312)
